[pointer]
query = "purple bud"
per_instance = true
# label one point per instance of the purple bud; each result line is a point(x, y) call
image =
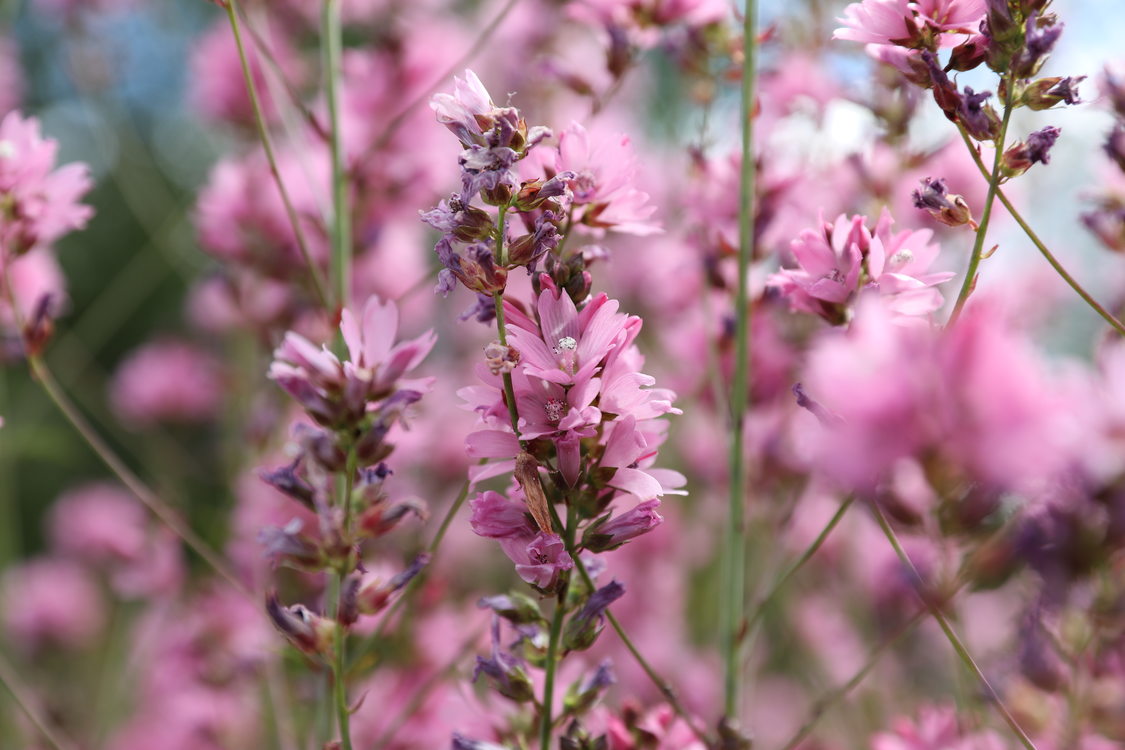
point(628, 525)
point(583, 628)
point(287, 481)
point(1036, 150)
point(310, 633)
point(464, 743)
point(825, 416)
point(287, 546)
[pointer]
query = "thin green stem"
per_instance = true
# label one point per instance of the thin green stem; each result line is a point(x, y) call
point(165, 514)
point(339, 673)
point(951, 636)
point(734, 549)
point(661, 684)
point(831, 698)
point(763, 603)
point(267, 145)
point(969, 283)
point(1039, 244)
point(22, 695)
point(341, 212)
point(545, 720)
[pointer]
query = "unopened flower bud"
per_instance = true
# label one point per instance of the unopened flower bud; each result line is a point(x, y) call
point(1005, 37)
point(40, 326)
point(504, 671)
point(970, 53)
point(527, 474)
point(501, 358)
point(375, 595)
point(310, 633)
point(949, 209)
point(287, 546)
point(516, 608)
point(611, 534)
point(379, 519)
point(533, 193)
point(1115, 145)
point(286, 481)
point(583, 629)
point(1020, 157)
point(461, 742)
point(978, 117)
point(1040, 35)
point(581, 695)
point(1047, 92)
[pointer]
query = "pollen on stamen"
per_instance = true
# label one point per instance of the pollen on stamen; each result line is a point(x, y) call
point(566, 343)
point(554, 409)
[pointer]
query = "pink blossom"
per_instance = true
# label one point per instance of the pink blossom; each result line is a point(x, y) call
point(99, 522)
point(218, 90)
point(902, 22)
point(540, 560)
point(496, 517)
point(167, 380)
point(936, 729)
point(32, 277)
point(463, 110)
point(40, 203)
point(51, 601)
point(604, 185)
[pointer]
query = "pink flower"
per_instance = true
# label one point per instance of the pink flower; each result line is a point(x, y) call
point(902, 21)
point(623, 527)
point(170, 381)
point(38, 203)
point(936, 729)
point(496, 517)
point(98, 522)
point(32, 276)
point(604, 185)
point(51, 601)
point(218, 90)
point(845, 258)
point(463, 111)
point(539, 556)
point(570, 345)
point(333, 392)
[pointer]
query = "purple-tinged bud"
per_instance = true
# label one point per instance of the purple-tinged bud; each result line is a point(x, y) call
point(1037, 659)
point(1107, 222)
point(1047, 92)
point(969, 54)
point(287, 546)
point(1113, 87)
point(825, 416)
point(464, 223)
point(1040, 35)
point(584, 627)
point(606, 535)
point(527, 474)
point(534, 193)
point(584, 693)
point(1036, 150)
point(461, 742)
point(375, 595)
point(348, 611)
point(1115, 145)
point(504, 671)
point(619, 55)
point(320, 446)
point(945, 91)
point(516, 608)
point(979, 119)
point(286, 481)
point(39, 326)
point(951, 210)
point(310, 633)
point(501, 358)
point(496, 517)
point(380, 519)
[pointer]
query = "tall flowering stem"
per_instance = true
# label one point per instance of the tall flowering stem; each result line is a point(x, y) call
point(969, 283)
point(734, 550)
point(341, 212)
point(1043, 249)
point(319, 285)
point(959, 647)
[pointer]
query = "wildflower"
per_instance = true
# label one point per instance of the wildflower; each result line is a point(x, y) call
point(38, 203)
point(505, 672)
point(584, 626)
point(167, 381)
point(1036, 149)
point(612, 533)
point(951, 210)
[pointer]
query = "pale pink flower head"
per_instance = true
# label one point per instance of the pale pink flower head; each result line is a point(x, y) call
point(38, 203)
point(51, 601)
point(99, 522)
point(539, 556)
point(32, 276)
point(466, 112)
point(167, 381)
point(604, 185)
point(336, 393)
point(845, 259)
point(936, 728)
point(568, 346)
point(910, 23)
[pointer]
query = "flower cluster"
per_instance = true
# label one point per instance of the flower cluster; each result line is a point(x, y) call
point(836, 264)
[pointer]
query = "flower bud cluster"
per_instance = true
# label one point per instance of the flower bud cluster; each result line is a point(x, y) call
point(354, 404)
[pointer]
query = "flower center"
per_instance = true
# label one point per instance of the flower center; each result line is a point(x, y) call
point(554, 409)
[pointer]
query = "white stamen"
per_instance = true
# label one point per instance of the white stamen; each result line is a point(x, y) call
point(7, 149)
point(902, 257)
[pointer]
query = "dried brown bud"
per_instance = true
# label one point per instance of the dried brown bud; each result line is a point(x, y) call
point(527, 474)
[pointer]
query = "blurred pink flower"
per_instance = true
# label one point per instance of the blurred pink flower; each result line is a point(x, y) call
point(217, 88)
point(32, 276)
point(39, 203)
point(169, 380)
point(98, 522)
point(936, 729)
point(51, 601)
point(903, 21)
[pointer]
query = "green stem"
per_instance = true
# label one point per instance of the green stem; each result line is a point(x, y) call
point(1031, 235)
point(341, 211)
point(339, 673)
point(267, 145)
point(734, 549)
point(826, 701)
point(546, 722)
point(27, 704)
point(951, 636)
point(779, 584)
point(661, 684)
point(982, 229)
